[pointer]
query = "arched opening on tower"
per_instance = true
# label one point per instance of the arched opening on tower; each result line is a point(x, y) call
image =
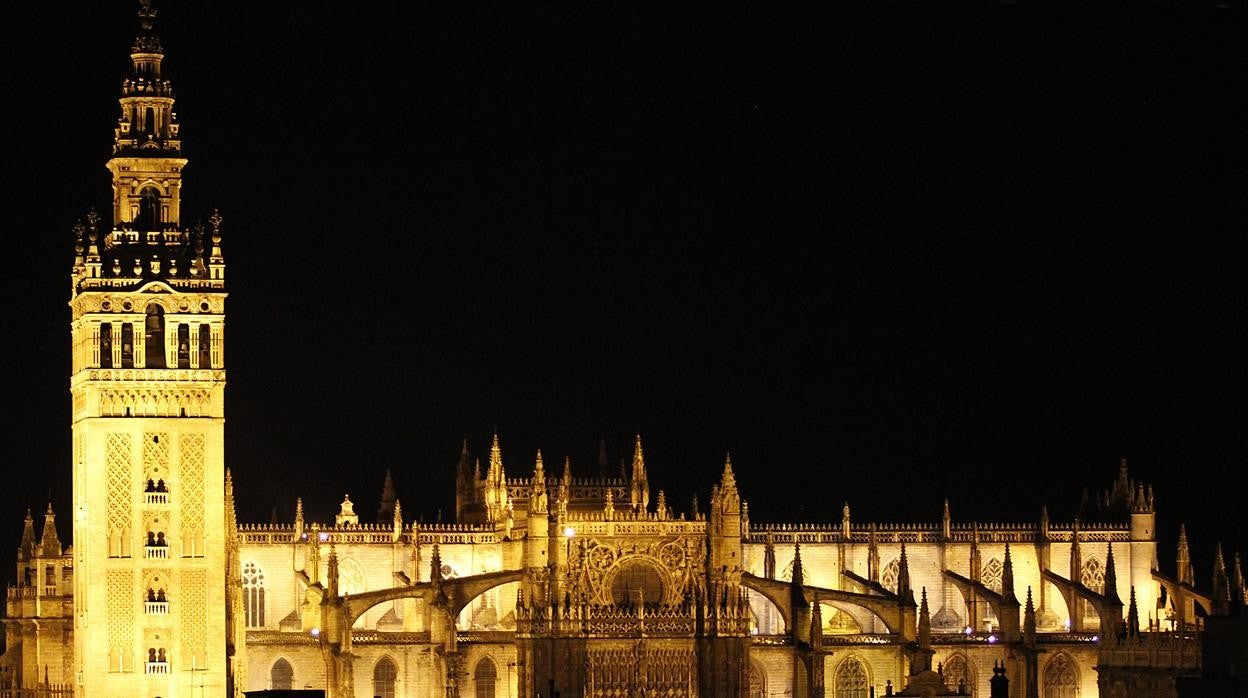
point(149, 210)
point(154, 336)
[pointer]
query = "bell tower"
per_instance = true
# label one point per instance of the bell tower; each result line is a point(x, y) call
point(148, 384)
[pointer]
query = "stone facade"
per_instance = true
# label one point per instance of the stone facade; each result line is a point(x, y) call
point(547, 584)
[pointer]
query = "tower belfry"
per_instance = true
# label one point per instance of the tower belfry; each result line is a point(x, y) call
point(148, 385)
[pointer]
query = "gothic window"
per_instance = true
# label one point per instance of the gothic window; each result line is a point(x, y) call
point(127, 345)
point(184, 346)
point(851, 679)
point(154, 336)
point(384, 675)
point(990, 576)
point(281, 676)
point(1091, 576)
point(758, 681)
point(485, 677)
point(1060, 678)
point(888, 578)
point(958, 674)
point(106, 345)
point(205, 346)
point(253, 595)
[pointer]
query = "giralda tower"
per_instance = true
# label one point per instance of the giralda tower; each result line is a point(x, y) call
point(148, 388)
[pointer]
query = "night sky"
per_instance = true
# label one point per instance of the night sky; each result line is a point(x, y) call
point(883, 253)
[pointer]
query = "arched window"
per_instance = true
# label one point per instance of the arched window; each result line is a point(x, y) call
point(1092, 576)
point(253, 595)
point(205, 346)
point(851, 679)
point(485, 677)
point(154, 336)
point(281, 676)
point(888, 578)
point(758, 681)
point(1060, 678)
point(958, 674)
point(384, 676)
point(637, 581)
point(149, 210)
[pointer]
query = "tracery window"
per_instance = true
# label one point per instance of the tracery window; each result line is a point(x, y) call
point(1092, 576)
point(253, 595)
point(851, 679)
point(958, 674)
point(990, 575)
point(384, 676)
point(758, 681)
point(888, 578)
point(282, 675)
point(485, 677)
point(1060, 678)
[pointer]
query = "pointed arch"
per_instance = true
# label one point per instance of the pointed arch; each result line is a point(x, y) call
point(758, 680)
point(851, 679)
point(1061, 677)
point(889, 575)
point(253, 595)
point(385, 677)
point(959, 674)
point(485, 678)
point(281, 675)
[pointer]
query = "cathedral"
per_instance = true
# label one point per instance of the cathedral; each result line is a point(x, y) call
point(548, 583)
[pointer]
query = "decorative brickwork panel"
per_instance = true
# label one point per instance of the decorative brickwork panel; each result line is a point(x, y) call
point(191, 481)
point(120, 615)
point(156, 455)
point(119, 480)
point(195, 592)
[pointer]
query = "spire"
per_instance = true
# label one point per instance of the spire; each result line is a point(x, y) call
point(1187, 574)
point(847, 530)
point(1007, 578)
point(1029, 620)
point(298, 518)
point(397, 522)
point(1076, 557)
point(1238, 590)
point(26, 549)
point(904, 591)
point(567, 473)
point(49, 545)
point(331, 572)
point(728, 479)
point(639, 488)
point(463, 467)
point(1111, 578)
point(1221, 586)
point(925, 622)
point(231, 516)
point(945, 522)
point(1133, 616)
point(386, 509)
point(537, 491)
point(798, 576)
point(603, 463)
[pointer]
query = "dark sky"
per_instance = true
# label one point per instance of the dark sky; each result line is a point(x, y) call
point(881, 252)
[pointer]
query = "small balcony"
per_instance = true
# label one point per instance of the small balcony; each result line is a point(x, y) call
point(156, 552)
point(156, 497)
point(156, 668)
point(156, 608)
